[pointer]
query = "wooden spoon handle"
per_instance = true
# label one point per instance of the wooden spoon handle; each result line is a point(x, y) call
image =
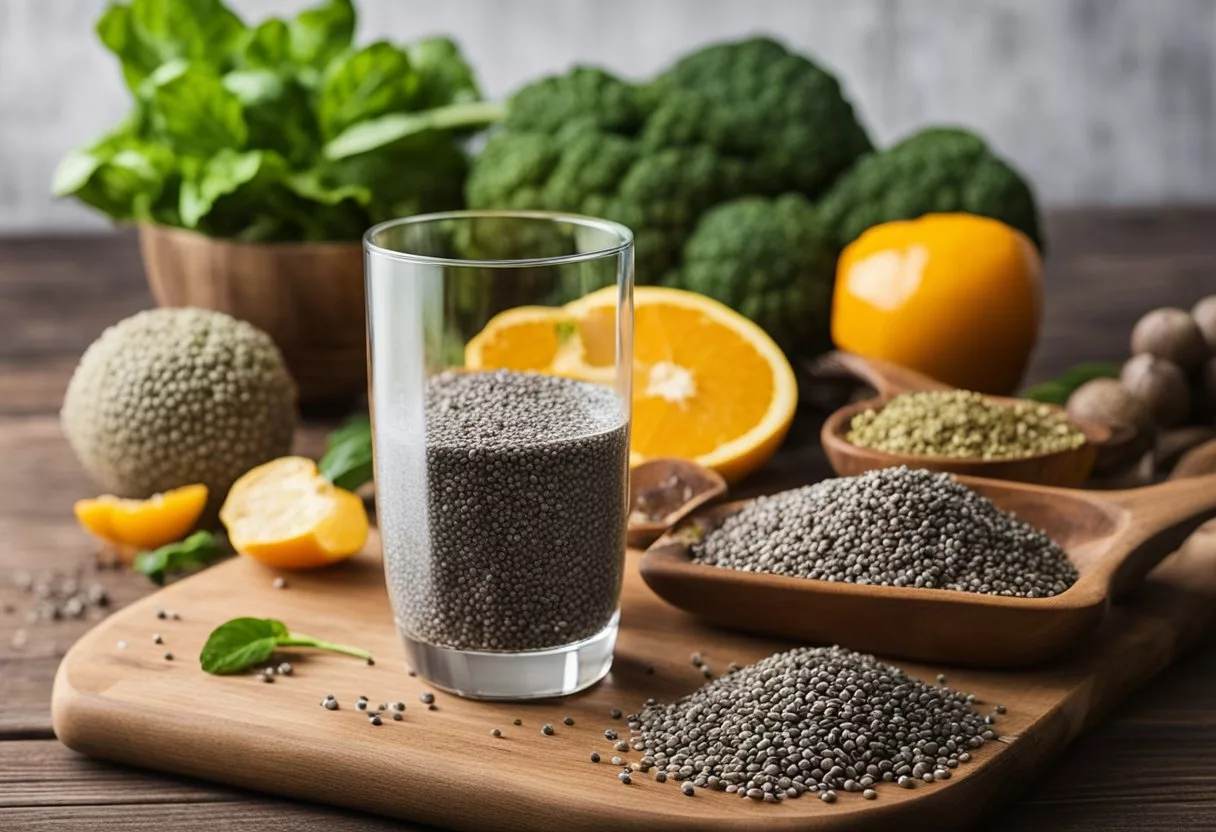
point(1161, 518)
point(887, 378)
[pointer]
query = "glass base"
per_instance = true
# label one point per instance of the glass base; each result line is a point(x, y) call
point(536, 674)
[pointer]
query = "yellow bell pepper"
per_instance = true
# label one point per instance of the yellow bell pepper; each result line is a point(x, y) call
point(955, 296)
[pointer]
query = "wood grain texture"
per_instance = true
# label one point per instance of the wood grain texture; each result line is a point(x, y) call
point(131, 705)
point(1104, 269)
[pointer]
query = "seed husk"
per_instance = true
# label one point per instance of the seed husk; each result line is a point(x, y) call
point(966, 425)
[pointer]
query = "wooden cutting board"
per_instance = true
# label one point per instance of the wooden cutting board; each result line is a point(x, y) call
point(443, 766)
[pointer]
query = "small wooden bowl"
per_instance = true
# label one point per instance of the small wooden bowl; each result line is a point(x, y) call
point(308, 297)
point(1114, 538)
point(1068, 468)
point(652, 482)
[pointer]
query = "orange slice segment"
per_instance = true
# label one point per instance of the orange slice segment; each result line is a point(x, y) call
point(708, 384)
point(285, 514)
point(144, 524)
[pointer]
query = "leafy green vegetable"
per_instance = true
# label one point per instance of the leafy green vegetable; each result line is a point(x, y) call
point(347, 462)
point(1057, 390)
point(245, 642)
point(196, 551)
point(229, 131)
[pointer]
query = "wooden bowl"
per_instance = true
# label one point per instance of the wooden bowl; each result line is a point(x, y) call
point(653, 482)
point(308, 297)
point(1113, 538)
point(1067, 468)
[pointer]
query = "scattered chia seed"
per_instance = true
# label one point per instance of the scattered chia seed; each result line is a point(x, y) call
point(810, 719)
point(891, 527)
point(411, 673)
point(495, 733)
point(732, 667)
point(595, 756)
point(625, 778)
point(330, 704)
point(518, 722)
point(176, 616)
point(160, 612)
point(615, 713)
point(941, 678)
point(168, 657)
point(426, 697)
point(610, 734)
point(398, 716)
point(706, 671)
point(688, 789)
point(622, 746)
point(432, 707)
point(906, 782)
point(869, 794)
point(122, 645)
point(156, 639)
point(361, 704)
point(279, 583)
point(617, 761)
point(1000, 709)
point(990, 720)
point(696, 659)
point(568, 720)
point(266, 678)
point(828, 796)
point(547, 729)
point(370, 661)
point(285, 669)
point(382, 707)
point(374, 719)
point(398, 706)
point(518, 542)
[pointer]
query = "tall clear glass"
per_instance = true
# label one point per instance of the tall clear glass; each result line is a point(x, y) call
point(500, 349)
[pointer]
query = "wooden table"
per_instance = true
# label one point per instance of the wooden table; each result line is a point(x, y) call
point(1151, 766)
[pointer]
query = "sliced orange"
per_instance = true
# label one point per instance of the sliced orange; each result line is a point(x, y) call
point(285, 514)
point(143, 524)
point(708, 384)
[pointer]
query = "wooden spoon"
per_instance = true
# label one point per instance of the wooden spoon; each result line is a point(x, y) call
point(1114, 538)
point(673, 487)
point(1062, 468)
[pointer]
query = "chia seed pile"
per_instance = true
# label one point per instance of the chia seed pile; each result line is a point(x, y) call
point(963, 424)
point(506, 532)
point(814, 719)
point(891, 527)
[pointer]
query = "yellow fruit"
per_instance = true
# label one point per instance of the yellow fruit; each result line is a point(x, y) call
point(143, 524)
point(285, 514)
point(954, 296)
point(708, 384)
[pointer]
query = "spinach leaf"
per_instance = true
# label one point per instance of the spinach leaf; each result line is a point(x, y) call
point(347, 462)
point(197, 550)
point(320, 34)
point(360, 85)
point(191, 110)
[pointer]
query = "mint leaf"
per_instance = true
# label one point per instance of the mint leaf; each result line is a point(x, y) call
point(245, 642)
point(348, 461)
point(241, 643)
point(197, 550)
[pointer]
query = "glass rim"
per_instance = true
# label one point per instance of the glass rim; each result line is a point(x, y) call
point(623, 233)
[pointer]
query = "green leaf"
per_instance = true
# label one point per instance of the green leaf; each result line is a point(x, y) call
point(278, 112)
point(197, 550)
point(388, 130)
point(268, 46)
point(348, 461)
point(443, 75)
point(246, 176)
point(320, 34)
point(148, 33)
point(241, 643)
point(360, 85)
point(1057, 390)
point(192, 111)
point(122, 175)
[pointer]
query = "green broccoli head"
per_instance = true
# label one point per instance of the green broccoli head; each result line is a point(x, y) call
point(937, 170)
point(726, 121)
point(770, 259)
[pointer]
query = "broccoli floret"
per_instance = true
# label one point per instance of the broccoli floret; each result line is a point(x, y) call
point(727, 121)
point(936, 170)
point(770, 259)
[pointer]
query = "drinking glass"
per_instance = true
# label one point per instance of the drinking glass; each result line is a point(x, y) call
point(500, 354)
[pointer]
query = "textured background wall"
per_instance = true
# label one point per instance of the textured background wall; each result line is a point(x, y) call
point(1099, 101)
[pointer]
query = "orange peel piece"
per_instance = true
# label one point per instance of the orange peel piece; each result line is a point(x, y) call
point(143, 524)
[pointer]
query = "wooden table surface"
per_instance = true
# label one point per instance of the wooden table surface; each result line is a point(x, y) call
point(1151, 766)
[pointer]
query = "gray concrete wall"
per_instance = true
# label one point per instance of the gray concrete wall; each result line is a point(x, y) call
point(1099, 101)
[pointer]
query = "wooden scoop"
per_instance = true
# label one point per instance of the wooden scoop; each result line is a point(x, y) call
point(1064, 468)
point(662, 492)
point(1114, 538)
